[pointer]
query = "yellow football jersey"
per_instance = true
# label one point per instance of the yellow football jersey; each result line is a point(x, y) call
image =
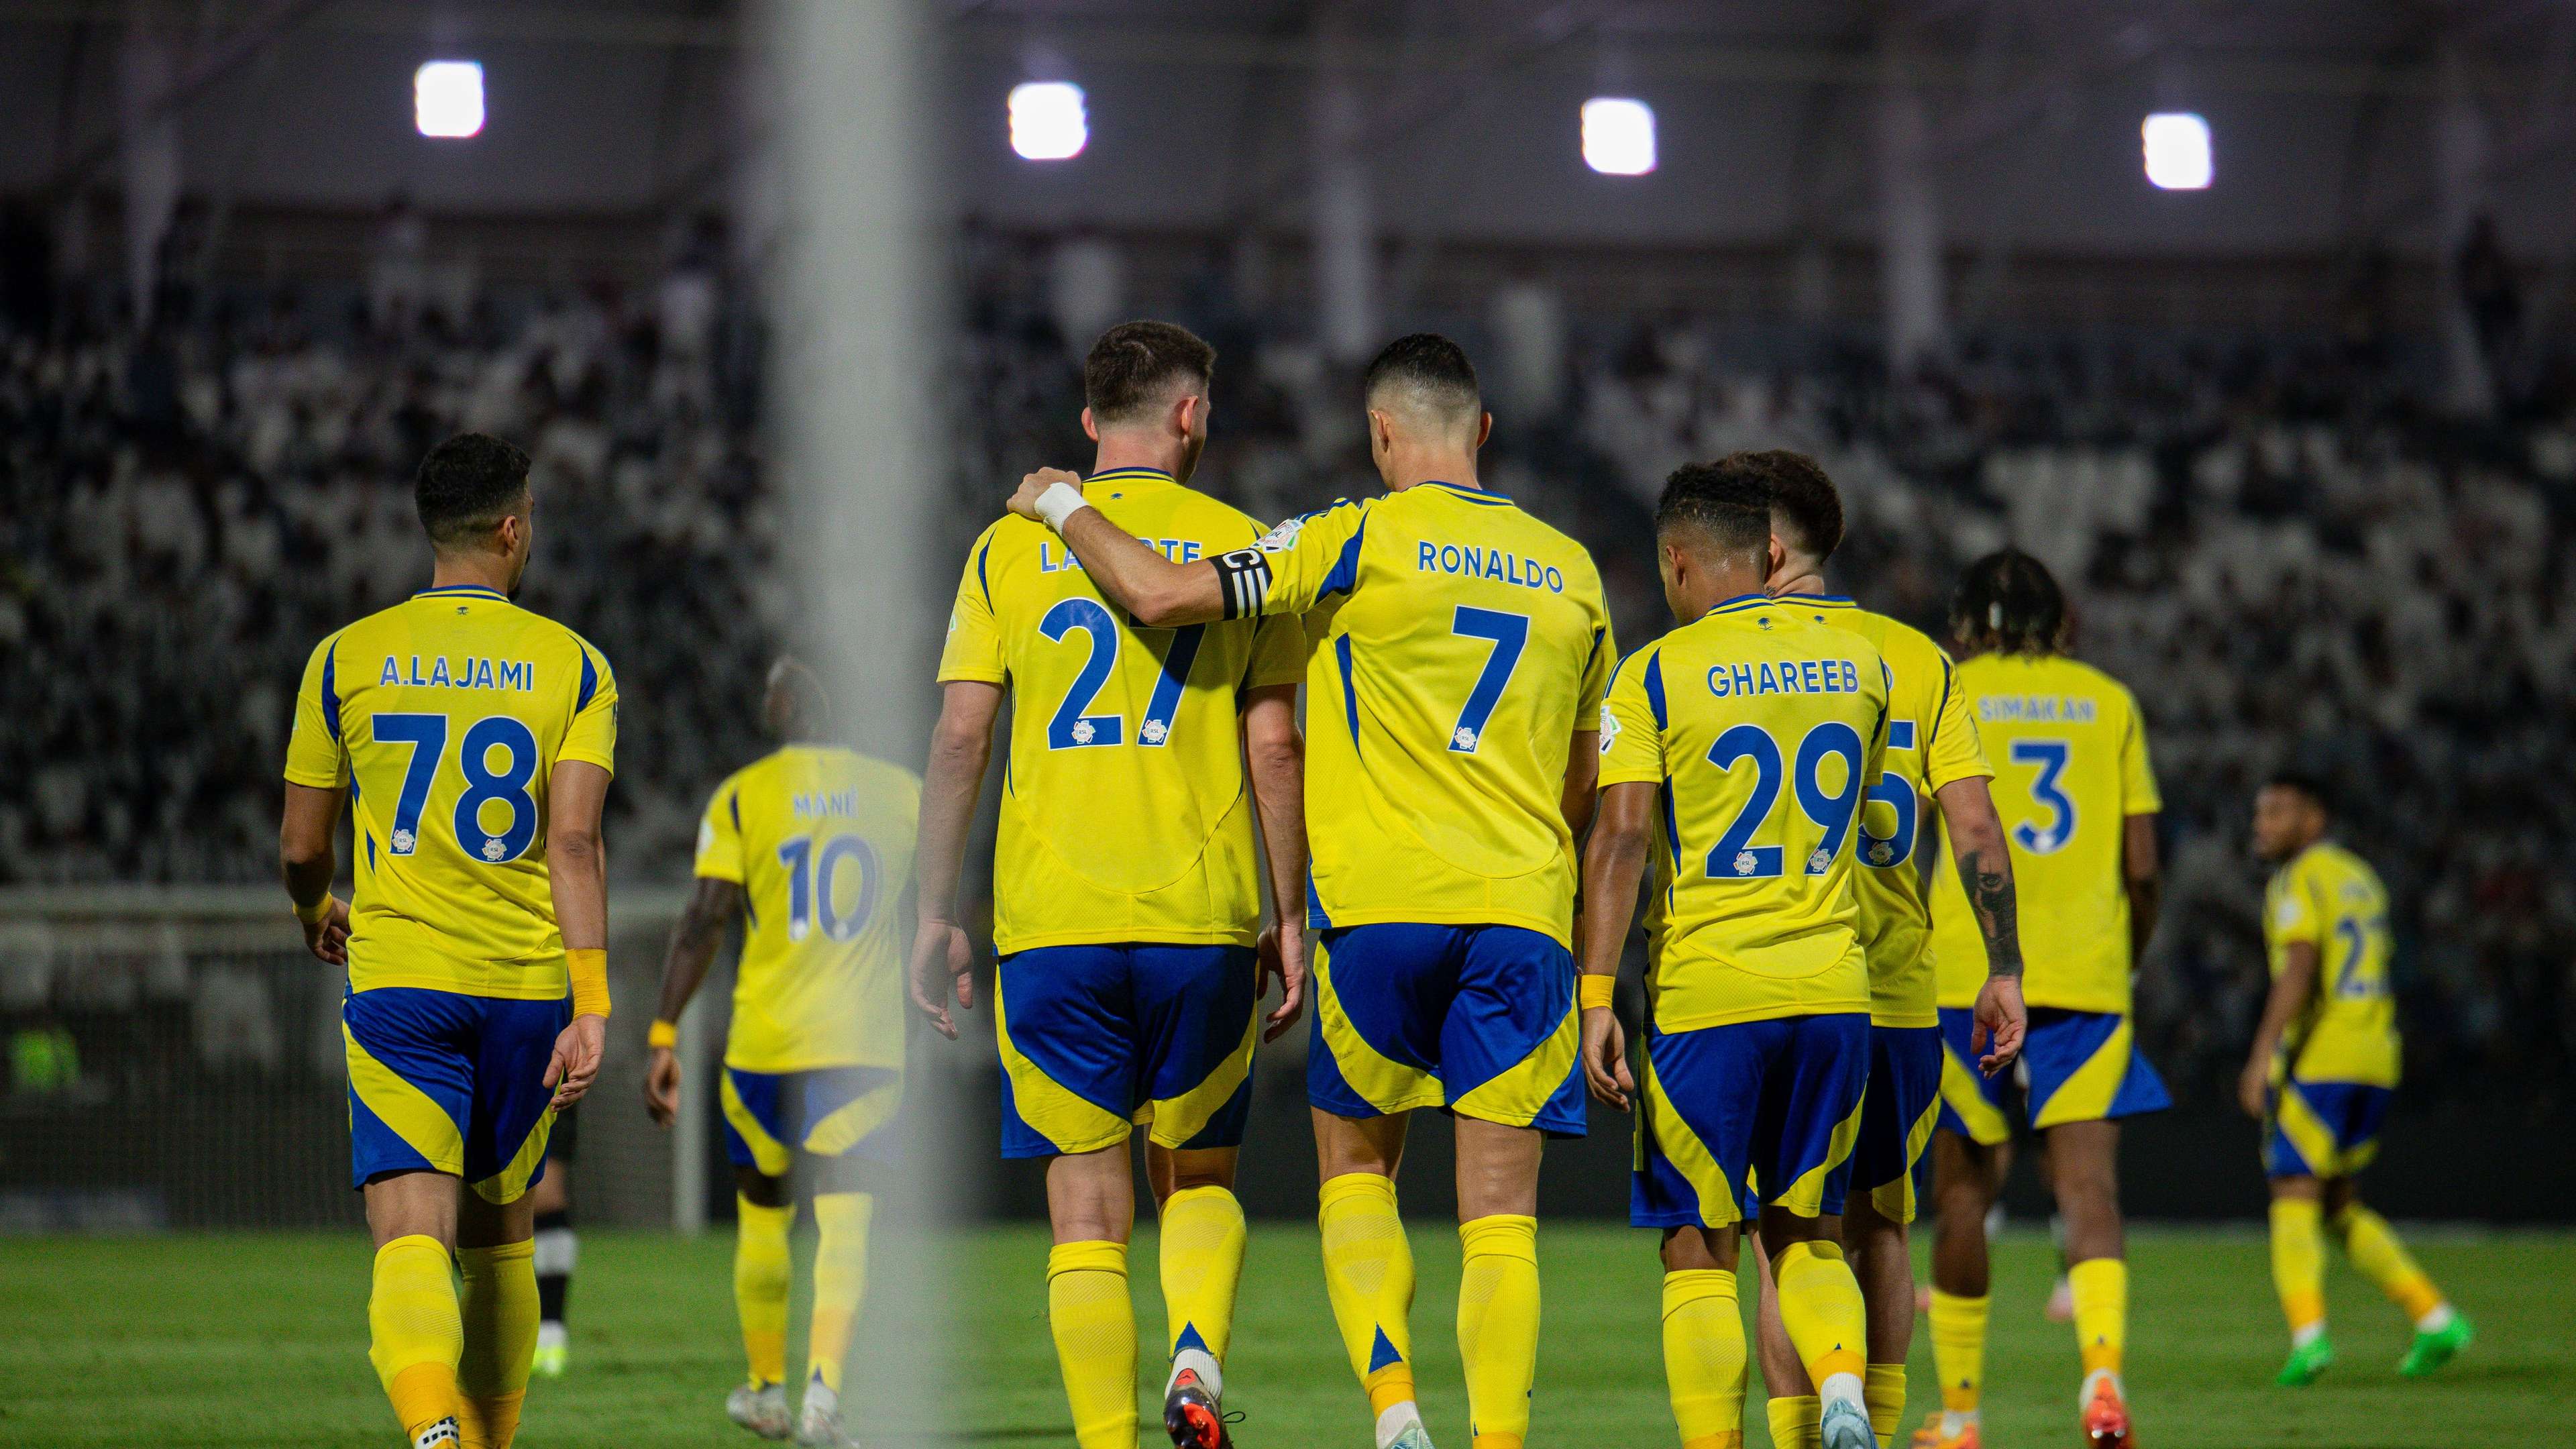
point(1459, 645)
point(2070, 752)
point(446, 715)
point(820, 840)
point(1762, 725)
point(2331, 899)
point(1931, 742)
point(1125, 809)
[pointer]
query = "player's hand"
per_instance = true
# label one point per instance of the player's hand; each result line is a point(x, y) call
point(943, 963)
point(1025, 502)
point(1283, 955)
point(662, 1086)
point(1995, 1040)
point(2254, 1086)
point(576, 1060)
point(1605, 1058)
point(328, 938)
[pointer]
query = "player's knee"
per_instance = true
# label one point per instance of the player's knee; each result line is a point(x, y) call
point(759, 1188)
point(1689, 1249)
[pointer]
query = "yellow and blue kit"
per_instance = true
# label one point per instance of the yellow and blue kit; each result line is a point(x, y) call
point(1763, 729)
point(1459, 646)
point(444, 717)
point(1931, 743)
point(1126, 877)
point(2338, 1066)
point(819, 838)
point(2071, 751)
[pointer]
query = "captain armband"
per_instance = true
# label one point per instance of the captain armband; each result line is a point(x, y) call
point(1243, 581)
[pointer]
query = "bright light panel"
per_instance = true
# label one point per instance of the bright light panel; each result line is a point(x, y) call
point(1047, 120)
point(1618, 136)
point(2177, 150)
point(447, 99)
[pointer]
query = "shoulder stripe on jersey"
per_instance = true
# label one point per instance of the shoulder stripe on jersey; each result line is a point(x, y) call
point(331, 688)
point(1594, 652)
point(589, 680)
point(1481, 497)
point(1350, 692)
point(984, 557)
point(1933, 736)
point(1655, 689)
point(733, 802)
point(1346, 570)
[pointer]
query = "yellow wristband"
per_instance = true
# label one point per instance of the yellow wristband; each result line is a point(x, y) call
point(589, 968)
point(662, 1036)
point(315, 913)
point(1597, 990)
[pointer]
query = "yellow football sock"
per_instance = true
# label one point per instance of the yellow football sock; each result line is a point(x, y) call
point(2383, 1260)
point(1821, 1307)
point(1704, 1357)
point(1959, 1349)
point(1202, 1265)
point(1095, 1340)
point(1368, 1275)
point(2299, 1264)
point(1498, 1325)
point(840, 1279)
point(500, 1313)
point(1883, 1388)
point(416, 1331)
point(1797, 1421)
point(760, 1272)
point(2101, 1287)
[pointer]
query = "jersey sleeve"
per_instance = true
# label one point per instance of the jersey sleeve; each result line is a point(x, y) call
point(592, 739)
point(1297, 565)
point(1632, 744)
point(974, 647)
point(720, 836)
point(2293, 915)
point(315, 753)
point(1278, 652)
point(2137, 777)
point(1953, 752)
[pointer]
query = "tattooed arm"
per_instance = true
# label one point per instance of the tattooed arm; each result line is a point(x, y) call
point(1985, 873)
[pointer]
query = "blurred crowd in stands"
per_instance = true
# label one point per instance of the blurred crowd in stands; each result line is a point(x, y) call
point(2286, 551)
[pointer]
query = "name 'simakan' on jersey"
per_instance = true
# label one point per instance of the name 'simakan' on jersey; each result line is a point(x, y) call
point(444, 716)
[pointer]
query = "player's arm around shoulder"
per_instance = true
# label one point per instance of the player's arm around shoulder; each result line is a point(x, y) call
point(1157, 592)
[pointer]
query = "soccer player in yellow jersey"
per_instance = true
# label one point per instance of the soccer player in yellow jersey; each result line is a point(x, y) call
point(811, 847)
point(1736, 753)
point(1460, 651)
point(1933, 765)
point(2320, 1077)
point(1126, 881)
point(2079, 804)
point(473, 743)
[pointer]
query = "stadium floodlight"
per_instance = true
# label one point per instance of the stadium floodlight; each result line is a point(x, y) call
point(447, 99)
point(1047, 120)
point(2177, 144)
point(1618, 136)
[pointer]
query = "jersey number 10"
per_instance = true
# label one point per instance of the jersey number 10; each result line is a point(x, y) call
point(811, 901)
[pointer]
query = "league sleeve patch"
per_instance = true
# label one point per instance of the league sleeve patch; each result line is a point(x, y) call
point(1609, 727)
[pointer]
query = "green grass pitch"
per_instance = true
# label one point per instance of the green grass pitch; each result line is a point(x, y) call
point(260, 1340)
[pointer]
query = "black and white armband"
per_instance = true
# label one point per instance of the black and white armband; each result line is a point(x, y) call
point(1243, 581)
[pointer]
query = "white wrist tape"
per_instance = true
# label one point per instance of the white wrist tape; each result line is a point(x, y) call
point(1059, 502)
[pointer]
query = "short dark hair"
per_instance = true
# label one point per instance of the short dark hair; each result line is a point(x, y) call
point(2314, 786)
point(2010, 603)
point(467, 485)
point(1135, 364)
point(1803, 500)
point(1729, 504)
point(1432, 366)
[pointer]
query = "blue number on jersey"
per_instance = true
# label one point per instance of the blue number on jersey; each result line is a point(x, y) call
point(1159, 710)
point(1834, 812)
point(508, 785)
point(811, 895)
point(1510, 633)
point(2050, 756)
point(1887, 852)
point(2350, 982)
point(1071, 729)
point(1734, 855)
point(427, 736)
